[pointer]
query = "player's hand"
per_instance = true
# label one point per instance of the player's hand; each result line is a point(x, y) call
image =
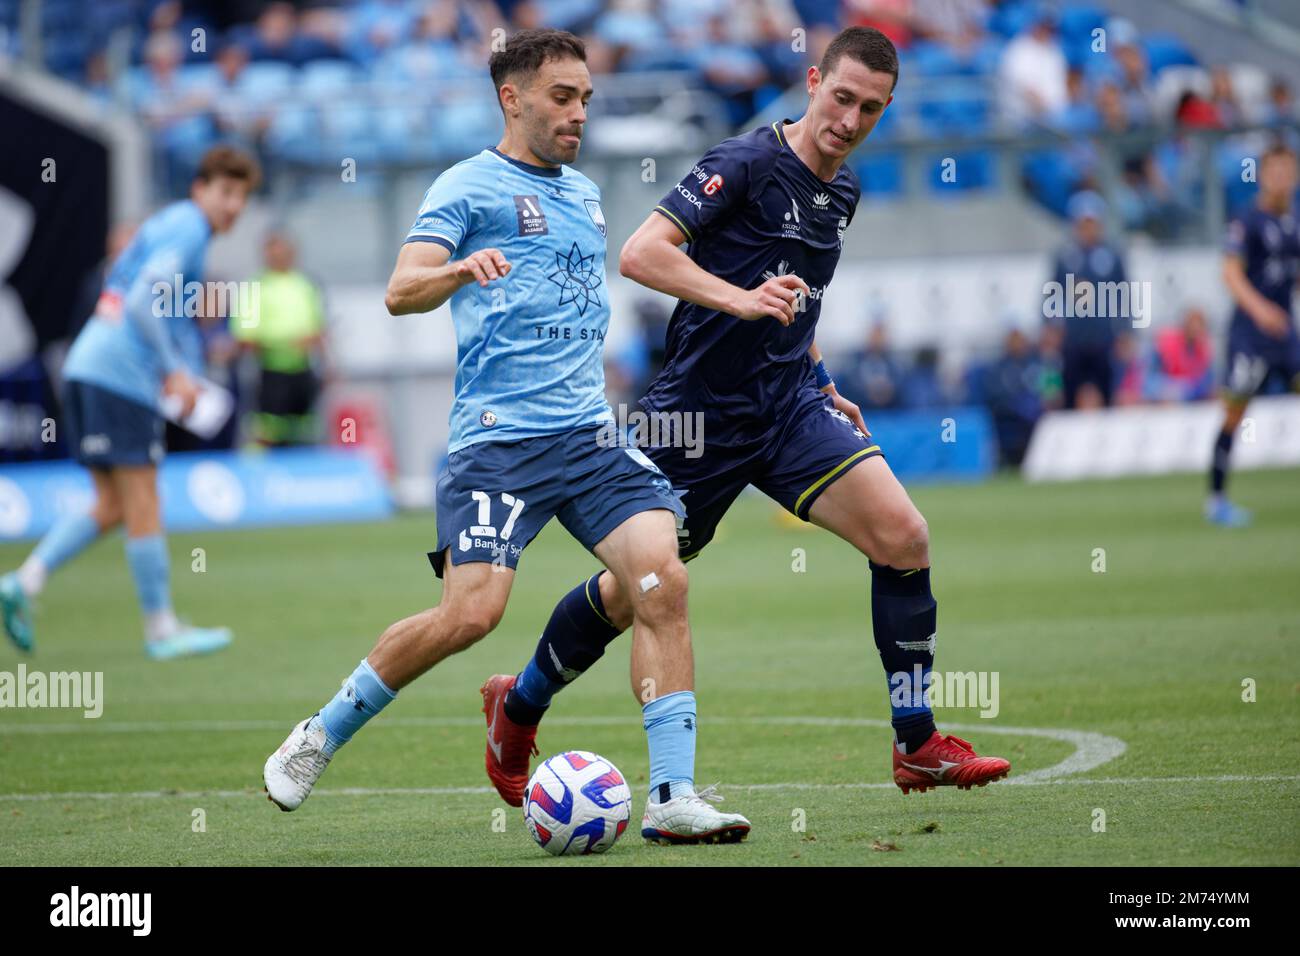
point(842, 404)
point(776, 298)
point(1273, 320)
point(180, 385)
point(482, 267)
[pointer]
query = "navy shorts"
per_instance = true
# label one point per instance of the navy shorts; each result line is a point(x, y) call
point(494, 497)
point(105, 430)
point(814, 448)
point(1250, 367)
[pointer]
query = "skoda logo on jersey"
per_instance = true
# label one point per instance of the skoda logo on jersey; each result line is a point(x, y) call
point(487, 419)
point(596, 214)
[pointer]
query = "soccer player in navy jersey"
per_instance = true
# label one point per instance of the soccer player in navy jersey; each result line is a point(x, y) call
point(1260, 268)
point(530, 308)
point(763, 217)
point(131, 353)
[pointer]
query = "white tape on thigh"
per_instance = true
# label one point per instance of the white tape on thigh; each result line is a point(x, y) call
point(649, 582)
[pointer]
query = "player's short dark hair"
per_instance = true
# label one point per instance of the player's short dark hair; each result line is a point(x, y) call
point(868, 46)
point(232, 162)
point(1278, 147)
point(527, 50)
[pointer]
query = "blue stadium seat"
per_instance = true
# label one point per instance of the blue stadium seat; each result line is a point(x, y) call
point(1164, 49)
point(266, 80)
point(881, 174)
point(326, 78)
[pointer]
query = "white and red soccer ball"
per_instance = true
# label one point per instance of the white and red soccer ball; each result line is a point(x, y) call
point(576, 802)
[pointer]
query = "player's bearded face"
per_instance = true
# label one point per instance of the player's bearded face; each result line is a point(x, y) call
point(846, 104)
point(554, 110)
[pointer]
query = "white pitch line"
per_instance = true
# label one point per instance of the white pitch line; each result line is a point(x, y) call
point(457, 791)
point(1091, 750)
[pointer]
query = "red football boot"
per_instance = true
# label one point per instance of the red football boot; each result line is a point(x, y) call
point(509, 745)
point(946, 762)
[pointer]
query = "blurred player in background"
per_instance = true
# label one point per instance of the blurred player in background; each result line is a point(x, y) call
point(286, 331)
point(1260, 269)
point(764, 214)
point(530, 305)
point(133, 351)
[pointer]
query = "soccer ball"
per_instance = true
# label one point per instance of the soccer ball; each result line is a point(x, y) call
point(576, 802)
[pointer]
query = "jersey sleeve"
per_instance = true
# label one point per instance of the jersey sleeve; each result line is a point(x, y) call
point(717, 184)
point(444, 215)
point(1236, 237)
point(151, 298)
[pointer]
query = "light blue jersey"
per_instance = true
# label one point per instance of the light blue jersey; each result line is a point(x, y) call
point(528, 356)
point(136, 337)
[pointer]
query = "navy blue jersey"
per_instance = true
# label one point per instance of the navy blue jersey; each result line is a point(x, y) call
point(1269, 248)
point(750, 210)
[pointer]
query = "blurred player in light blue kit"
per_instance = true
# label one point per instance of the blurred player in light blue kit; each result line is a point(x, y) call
point(134, 351)
point(514, 239)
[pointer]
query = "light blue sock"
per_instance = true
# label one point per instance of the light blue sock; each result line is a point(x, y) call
point(362, 696)
point(669, 723)
point(67, 538)
point(151, 570)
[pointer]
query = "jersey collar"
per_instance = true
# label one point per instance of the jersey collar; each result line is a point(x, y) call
point(551, 172)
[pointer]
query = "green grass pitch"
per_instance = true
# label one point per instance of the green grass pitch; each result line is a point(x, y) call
point(1152, 652)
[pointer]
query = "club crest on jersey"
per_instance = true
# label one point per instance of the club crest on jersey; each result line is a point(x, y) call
point(532, 221)
point(596, 213)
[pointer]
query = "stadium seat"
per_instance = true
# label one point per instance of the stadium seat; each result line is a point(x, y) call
point(1163, 49)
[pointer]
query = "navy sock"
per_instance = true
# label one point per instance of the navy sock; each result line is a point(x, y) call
point(903, 620)
point(1219, 469)
point(575, 638)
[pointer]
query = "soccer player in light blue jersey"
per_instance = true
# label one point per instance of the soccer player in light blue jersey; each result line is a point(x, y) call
point(515, 239)
point(132, 352)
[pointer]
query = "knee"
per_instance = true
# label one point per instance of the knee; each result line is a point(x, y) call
point(905, 543)
point(663, 597)
point(107, 514)
point(470, 622)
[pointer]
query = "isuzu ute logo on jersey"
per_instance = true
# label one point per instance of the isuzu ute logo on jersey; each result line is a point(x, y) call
point(791, 227)
point(532, 221)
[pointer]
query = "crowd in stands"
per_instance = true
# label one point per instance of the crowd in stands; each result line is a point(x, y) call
point(403, 81)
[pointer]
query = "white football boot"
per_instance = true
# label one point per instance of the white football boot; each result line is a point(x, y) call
point(293, 770)
point(692, 819)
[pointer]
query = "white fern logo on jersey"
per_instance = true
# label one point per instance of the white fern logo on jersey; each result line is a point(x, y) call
point(821, 200)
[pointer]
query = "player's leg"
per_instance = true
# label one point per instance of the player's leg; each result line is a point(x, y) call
point(1244, 373)
point(166, 637)
point(827, 472)
point(641, 553)
point(597, 610)
point(870, 509)
point(68, 536)
point(473, 599)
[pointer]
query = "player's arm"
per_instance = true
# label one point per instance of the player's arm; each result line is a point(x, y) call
point(653, 257)
point(146, 306)
point(425, 276)
point(1271, 318)
point(827, 385)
